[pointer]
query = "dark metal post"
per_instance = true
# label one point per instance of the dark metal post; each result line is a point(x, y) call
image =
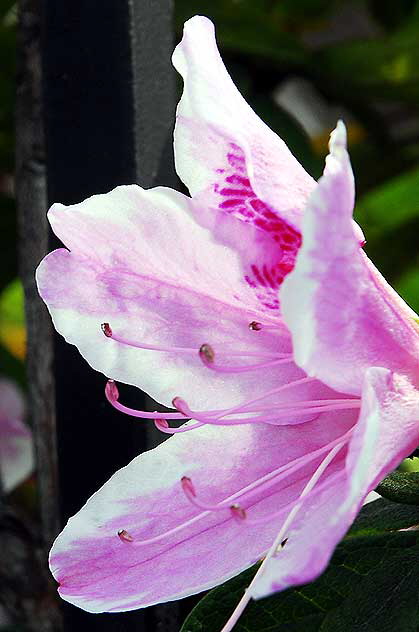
point(31, 202)
point(108, 113)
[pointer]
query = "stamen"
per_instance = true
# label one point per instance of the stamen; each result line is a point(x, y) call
point(181, 405)
point(277, 544)
point(257, 326)
point(111, 391)
point(237, 512)
point(188, 486)
point(106, 328)
point(259, 485)
point(109, 333)
point(278, 410)
point(124, 536)
point(112, 395)
point(278, 514)
point(207, 355)
point(163, 426)
point(271, 479)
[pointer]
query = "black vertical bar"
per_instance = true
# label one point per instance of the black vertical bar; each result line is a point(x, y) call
point(31, 201)
point(154, 90)
point(108, 97)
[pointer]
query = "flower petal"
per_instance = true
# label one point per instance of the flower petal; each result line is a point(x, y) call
point(99, 572)
point(342, 315)
point(234, 165)
point(16, 450)
point(217, 132)
point(387, 431)
point(139, 261)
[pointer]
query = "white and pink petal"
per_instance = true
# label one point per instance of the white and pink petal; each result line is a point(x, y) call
point(99, 571)
point(140, 262)
point(342, 315)
point(16, 448)
point(234, 165)
point(386, 432)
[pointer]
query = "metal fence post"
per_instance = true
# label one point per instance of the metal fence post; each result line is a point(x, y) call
point(108, 110)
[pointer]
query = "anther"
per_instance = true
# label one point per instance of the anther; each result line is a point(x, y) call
point(188, 486)
point(111, 391)
point(124, 536)
point(206, 353)
point(181, 406)
point(238, 512)
point(107, 330)
point(161, 424)
point(255, 326)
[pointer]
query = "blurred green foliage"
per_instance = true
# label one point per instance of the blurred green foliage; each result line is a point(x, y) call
point(11, 309)
point(362, 59)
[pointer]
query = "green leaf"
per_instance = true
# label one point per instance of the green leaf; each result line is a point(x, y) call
point(408, 287)
point(12, 319)
point(401, 487)
point(382, 516)
point(374, 68)
point(389, 206)
point(371, 584)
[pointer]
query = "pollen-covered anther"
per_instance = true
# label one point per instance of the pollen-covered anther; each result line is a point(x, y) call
point(187, 486)
point(238, 512)
point(124, 536)
point(107, 329)
point(255, 326)
point(207, 353)
point(111, 391)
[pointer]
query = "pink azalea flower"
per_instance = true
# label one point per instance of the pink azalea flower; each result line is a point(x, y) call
point(293, 419)
point(16, 456)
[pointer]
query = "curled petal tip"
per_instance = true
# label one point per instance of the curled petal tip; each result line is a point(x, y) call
point(107, 330)
point(111, 391)
point(338, 137)
point(206, 353)
point(124, 536)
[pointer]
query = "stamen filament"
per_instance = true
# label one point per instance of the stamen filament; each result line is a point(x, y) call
point(221, 420)
point(163, 426)
point(274, 477)
point(244, 369)
point(231, 500)
point(112, 395)
point(183, 407)
point(277, 514)
point(276, 546)
point(109, 333)
point(256, 325)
